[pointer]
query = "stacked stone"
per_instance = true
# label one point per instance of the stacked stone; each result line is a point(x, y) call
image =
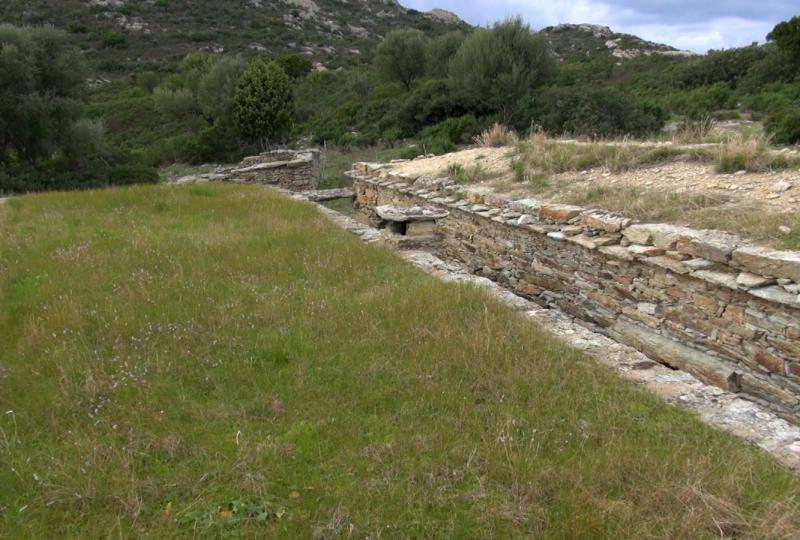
point(705, 302)
point(295, 171)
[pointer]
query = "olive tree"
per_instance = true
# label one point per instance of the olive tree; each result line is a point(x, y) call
point(401, 56)
point(263, 104)
point(496, 67)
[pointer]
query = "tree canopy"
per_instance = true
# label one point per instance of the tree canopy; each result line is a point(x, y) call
point(263, 103)
point(401, 56)
point(41, 78)
point(497, 67)
point(786, 36)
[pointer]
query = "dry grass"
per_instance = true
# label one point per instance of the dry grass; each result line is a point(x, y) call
point(701, 211)
point(216, 361)
point(496, 136)
point(549, 156)
point(752, 154)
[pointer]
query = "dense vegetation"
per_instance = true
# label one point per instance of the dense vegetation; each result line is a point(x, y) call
point(159, 381)
point(424, 83)
point(46, 139)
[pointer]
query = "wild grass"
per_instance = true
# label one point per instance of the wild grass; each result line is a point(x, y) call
point(751, 154)
point(550, 156)
point(469, 175)
point(216, 361)
point(736, 152)
point(701, 211)
point(497, 136)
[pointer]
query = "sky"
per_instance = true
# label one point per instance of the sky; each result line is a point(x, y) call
point(695, 25)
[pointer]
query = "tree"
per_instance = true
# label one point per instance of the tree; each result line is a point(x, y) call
point(296, 67)
point(497, 67)
point(41, 80)
point(593, 111)
point(216, 89)
point(263, 104)
point(203, 88)
point(401, 56)
point(786, 36)
point(440, 51)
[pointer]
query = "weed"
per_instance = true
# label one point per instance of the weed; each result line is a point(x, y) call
point(497, 136)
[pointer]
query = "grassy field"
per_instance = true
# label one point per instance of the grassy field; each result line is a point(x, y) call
point(209, 360)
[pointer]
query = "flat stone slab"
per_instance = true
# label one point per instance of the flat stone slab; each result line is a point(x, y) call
point(604, 221)
point(322, 195)
point(560, 213)
point(712, 245)
point(402, 214)
point(769, 262)
point(662, 235)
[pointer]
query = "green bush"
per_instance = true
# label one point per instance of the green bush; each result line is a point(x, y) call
point(499, 66)
point(594, 112)
point(456, 130)
point(784, 125)
point(263, 104)
point(401, 56)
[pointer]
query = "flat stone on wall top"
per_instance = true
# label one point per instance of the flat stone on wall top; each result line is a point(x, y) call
point(769, 262)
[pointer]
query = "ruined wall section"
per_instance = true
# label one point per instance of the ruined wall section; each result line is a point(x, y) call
point(705, 302)
point(295, 171)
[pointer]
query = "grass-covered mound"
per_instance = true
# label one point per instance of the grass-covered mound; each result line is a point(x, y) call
point(208, 360)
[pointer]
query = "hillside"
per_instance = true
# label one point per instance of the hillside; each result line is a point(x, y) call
point(575, 40)
point(133, 35)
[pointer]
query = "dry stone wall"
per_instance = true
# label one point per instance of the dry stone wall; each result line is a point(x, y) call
point(295, 171)
point(705, 302)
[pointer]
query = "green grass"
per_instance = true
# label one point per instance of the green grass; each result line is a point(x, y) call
point(213, 360)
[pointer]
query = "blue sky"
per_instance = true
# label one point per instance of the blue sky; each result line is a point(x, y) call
point(697, 25)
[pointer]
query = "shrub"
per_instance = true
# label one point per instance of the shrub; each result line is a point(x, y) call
point(440, 51)
point(784, 125)
point(401, 56)
point(496, 136)
point(497, 67)
point(113, 40)
point(263, 104)
point(593, 112)
point(456, 130)
point(743, 154)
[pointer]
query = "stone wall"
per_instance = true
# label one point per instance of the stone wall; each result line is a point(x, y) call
point(705, 302)
point(295, 171)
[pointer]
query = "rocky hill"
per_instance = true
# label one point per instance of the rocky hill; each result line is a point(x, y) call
point(120, 37)
point(128, 35)
point(570, 40)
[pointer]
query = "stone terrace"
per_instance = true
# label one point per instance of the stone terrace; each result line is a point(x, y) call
point(705, 302)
